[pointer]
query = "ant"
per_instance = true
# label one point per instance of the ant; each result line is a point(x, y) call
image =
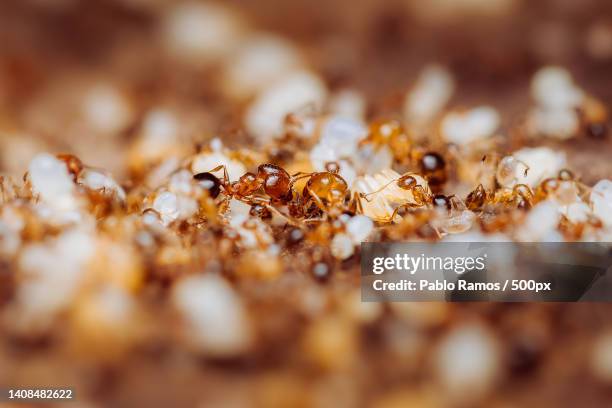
point(274, 180)
point(420, 194)
point(326, 190)
point(390, 133)
point(566, 188)
point(520, 196)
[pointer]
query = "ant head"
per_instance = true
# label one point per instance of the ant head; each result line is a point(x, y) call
point(407, 182)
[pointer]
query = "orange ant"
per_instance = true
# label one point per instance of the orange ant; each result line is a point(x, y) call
point(327, 190)
point(565, 187)
point(408, 182)
point(521, 196)
point(392, 134)
point(274, 181)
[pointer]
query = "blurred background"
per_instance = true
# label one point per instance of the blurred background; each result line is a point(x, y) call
point(65, 64)
point(91, 77)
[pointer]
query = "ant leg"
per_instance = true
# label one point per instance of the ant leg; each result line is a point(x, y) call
point(456, 203)
point(437, 231)
point(363, 196)
point(380, 189)
point(396, 212)
point(2, 188)
point(266, 203)
point(316, 199)
point(225, 183)
point(355, 203)
point(583, 190)
point(391, 218)
point(313, 220)
point(527, 168)
point(221, 166)
point(225, 173)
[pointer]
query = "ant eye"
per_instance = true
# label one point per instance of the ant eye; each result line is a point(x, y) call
point(209, 182)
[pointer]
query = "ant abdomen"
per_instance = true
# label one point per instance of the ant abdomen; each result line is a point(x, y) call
point(434, 169)
point(328, 188)
point(276, 181)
